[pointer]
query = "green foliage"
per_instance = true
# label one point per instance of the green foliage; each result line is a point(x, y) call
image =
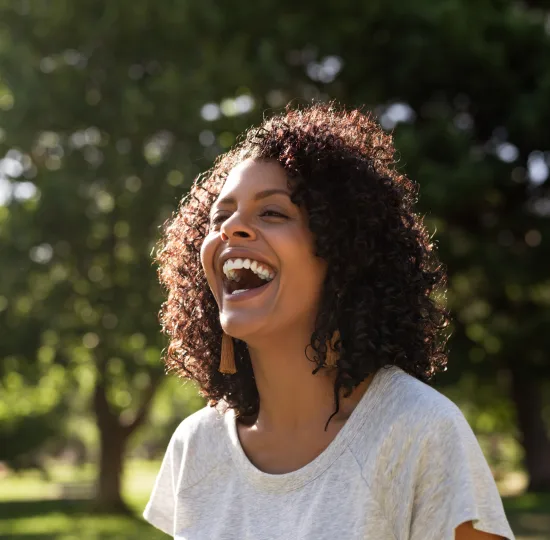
point(110, 109)
point(174, 401)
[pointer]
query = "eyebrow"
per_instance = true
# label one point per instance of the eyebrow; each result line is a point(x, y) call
point(258, 196)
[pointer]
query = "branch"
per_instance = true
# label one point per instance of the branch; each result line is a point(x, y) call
point(143, 410)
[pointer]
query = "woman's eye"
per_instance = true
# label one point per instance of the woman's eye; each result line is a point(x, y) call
point(274, 213)
point(217, 220)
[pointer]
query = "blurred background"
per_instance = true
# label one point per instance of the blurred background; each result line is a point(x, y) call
point(108, 110)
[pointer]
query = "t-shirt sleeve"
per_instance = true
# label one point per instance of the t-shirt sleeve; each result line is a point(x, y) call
point(160, 509)
point(454, 484)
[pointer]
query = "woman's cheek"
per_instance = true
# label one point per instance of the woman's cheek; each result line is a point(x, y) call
point(208, 253)
point(208, 249)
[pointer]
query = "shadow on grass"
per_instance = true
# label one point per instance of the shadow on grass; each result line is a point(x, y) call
point(529, 515)
point(75, 507)
point(22, 509)
point(69, 520)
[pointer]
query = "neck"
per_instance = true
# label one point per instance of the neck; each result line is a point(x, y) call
point(292, 399)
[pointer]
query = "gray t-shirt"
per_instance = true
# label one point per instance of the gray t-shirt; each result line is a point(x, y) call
point(405, 466)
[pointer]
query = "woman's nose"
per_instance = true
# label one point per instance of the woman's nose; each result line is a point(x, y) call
point(235, 227)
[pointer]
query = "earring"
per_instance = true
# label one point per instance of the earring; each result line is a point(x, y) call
point(332, 354)
point(227, 363)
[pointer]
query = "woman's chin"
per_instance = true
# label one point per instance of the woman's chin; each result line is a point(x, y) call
point(249, 312)
point(239, 325)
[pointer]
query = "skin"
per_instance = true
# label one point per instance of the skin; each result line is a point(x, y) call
point(276, 325)
point(467, 532)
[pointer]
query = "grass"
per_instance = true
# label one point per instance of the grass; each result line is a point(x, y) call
point(32, 509)
point(529, 515)
point(68, 520)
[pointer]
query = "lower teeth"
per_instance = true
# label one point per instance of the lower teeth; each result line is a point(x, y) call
point(239, 291)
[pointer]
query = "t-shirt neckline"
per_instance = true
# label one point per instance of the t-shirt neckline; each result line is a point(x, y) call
point(295, 479)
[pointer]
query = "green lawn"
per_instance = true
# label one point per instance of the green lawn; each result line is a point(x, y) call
point(31, 509)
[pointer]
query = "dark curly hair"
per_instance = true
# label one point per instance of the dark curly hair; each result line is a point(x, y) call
point(384, 288)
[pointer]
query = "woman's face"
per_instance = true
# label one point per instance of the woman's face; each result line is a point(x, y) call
point(254, 218)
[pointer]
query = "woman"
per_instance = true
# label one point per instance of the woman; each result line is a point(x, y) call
point(303, 299)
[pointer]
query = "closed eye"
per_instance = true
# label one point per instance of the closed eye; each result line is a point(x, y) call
point(270, 213)
point(276, 214)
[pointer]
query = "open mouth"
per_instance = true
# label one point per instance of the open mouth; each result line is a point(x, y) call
point(242, 294)
point(243, 277)
point(243, 280)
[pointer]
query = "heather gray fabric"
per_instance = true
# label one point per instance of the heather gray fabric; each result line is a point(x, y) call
point(405, 466)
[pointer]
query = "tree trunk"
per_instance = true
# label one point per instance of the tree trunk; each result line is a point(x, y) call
point(527, 394)
point(114, 436)
point(111, 463)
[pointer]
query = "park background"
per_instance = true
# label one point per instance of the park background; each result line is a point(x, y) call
point(109, 110)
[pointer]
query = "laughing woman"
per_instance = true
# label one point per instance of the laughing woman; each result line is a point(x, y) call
point(304, 299)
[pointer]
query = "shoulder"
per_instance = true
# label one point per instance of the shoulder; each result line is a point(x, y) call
point(200, 424)
point(196, 446)
point(413, 397)
point(423, 463)
point(422, 411)
point(410, 417)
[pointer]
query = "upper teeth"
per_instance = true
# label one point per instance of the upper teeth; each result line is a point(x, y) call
point(258, 268)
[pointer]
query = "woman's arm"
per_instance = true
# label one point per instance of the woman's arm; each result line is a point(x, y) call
point(467, 532)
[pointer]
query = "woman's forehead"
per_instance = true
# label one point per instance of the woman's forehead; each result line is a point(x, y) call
point(252, 176)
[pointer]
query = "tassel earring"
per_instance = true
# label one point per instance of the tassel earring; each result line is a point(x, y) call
point(227, 363)
point(332, 354)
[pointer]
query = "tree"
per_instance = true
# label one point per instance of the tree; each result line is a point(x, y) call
point(111, 109)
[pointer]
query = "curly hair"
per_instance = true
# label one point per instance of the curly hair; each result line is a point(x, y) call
point(384, 287)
